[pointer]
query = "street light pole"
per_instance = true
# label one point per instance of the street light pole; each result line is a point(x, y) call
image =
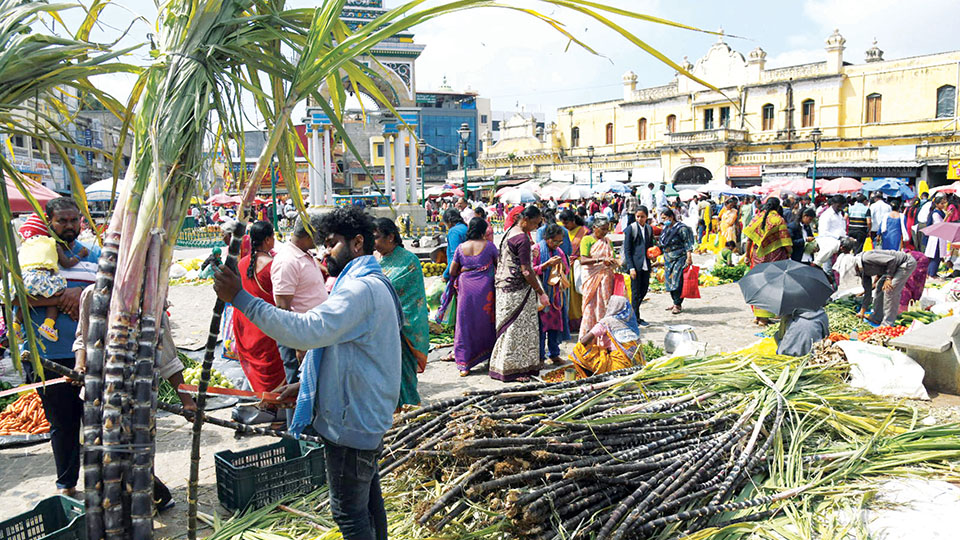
point(590, 151)
point(422, 147)
point(817, 136)
point(464, 133)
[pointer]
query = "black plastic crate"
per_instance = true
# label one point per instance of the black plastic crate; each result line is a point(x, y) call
point(262, 475)
point(54, 518)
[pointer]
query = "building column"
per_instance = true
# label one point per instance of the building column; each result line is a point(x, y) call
point(312, 170)
point(328, 168)
point(401, 167)
point(414, 180)
point(387, 159)
point(323, 166)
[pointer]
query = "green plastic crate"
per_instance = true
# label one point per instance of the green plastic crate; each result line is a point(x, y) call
point(54, 518)
point(262, 475)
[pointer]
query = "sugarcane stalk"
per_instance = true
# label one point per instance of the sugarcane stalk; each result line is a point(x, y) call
point(236, 426)
point(192, 483)
point(143, 408)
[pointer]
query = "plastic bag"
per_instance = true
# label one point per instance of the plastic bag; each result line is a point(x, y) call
point(578, 276)
point(883, 371)
point(691, 282)
point(434, 292)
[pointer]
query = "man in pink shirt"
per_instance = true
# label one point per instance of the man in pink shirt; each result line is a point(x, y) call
point(298, 283)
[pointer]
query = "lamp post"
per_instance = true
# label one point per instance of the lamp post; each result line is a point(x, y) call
point(816, 136)
point(590, 151)
point(422, 147)
point(464, 133)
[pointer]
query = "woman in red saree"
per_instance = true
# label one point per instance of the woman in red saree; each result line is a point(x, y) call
point(259, 356)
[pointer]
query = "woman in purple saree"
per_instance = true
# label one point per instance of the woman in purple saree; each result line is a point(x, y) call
point(471, 275)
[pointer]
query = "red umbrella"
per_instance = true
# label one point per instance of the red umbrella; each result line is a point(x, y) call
point(19, 204)
point(947, 230)
point(841, 185)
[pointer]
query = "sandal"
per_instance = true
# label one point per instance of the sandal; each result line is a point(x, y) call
point(523, 379)
point(450, 358)
point(676, 310)
point(464, 373)
point(556, 360)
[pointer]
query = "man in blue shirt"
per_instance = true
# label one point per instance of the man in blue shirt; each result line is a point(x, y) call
point(61, 403)
point(350, 379)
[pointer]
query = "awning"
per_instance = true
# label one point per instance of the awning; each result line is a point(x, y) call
point(502, 172)
point(903, 169)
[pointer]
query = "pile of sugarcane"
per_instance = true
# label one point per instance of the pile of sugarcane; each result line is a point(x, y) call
point(680, 447)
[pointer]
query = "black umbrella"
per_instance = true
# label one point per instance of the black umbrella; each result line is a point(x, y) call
point(785, 286)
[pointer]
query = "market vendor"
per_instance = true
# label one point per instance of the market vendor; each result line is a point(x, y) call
point(883, 274)
point(800, 330)
point(612, 344)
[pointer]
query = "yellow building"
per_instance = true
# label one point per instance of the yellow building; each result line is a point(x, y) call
point(879, 118)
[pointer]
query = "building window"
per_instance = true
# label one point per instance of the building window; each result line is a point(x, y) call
point(379, 150)
point(708, 119)
point(642, 129)
point(609, 134)
point(671, 123)
point(946, 101)
point(483, 119)
point(806, 113)
point(873, 108)
point(18, 141)
point(767, 117)
point(575, 137)
point(724, 117)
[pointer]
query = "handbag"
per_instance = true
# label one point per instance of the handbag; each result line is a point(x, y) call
point(691, 282)
point(558, 278)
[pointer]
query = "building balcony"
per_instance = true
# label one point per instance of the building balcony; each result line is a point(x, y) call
point(938, 152)
point(825, 155)
point(706, 137)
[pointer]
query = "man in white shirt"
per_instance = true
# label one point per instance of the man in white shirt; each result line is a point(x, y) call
point(832, 229)
point(879, 211)
point(661, 198)
point(646, 196)
point(466, 212)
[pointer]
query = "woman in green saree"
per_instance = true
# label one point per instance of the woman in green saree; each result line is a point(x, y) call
point(404, 271)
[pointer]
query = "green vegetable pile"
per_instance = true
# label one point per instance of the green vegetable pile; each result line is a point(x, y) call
point(729, 274)
point(4, 401)
point(651, 351)
point(907, 317)
point(191, 375)
point(445, 337)
point(842, 315)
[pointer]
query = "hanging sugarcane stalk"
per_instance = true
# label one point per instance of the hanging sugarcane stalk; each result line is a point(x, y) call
point(233, 252)
point(95, 346)
point(143, 397)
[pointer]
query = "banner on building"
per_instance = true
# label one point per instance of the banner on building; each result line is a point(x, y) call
point(953, 169)
point(743, 171)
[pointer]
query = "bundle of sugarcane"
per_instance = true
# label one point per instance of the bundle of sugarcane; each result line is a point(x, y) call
point(689, 446)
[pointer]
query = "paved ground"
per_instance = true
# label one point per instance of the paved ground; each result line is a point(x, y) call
point(27, 474)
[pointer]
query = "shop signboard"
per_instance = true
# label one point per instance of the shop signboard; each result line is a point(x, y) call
point(953, 169)
point(744, 171)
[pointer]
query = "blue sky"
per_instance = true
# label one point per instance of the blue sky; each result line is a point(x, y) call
point(514, 59)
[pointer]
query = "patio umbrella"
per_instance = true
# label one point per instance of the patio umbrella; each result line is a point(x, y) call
point(841, 185)
point(503, 191)
point(576, 193)
point(518, 196)
point(688, 194)
point(947, 230)
point(612, 187)
point(102, 190)
point(222, 199)
point(949, 188)
point(19, 204)
point(785, 286)
point(889, 186)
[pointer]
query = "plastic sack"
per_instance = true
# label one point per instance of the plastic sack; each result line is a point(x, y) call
point(883, 371)
point(691, 282)
point(177, 271)
point(434, 292)
point(578, 276)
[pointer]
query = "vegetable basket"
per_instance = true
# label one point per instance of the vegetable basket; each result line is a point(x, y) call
point(54, 518)
point(262, 475)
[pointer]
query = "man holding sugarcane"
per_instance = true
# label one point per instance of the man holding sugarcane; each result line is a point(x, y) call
point(61, 403)
point(350, 379)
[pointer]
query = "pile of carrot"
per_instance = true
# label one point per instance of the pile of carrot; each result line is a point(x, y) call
point(24, 416)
